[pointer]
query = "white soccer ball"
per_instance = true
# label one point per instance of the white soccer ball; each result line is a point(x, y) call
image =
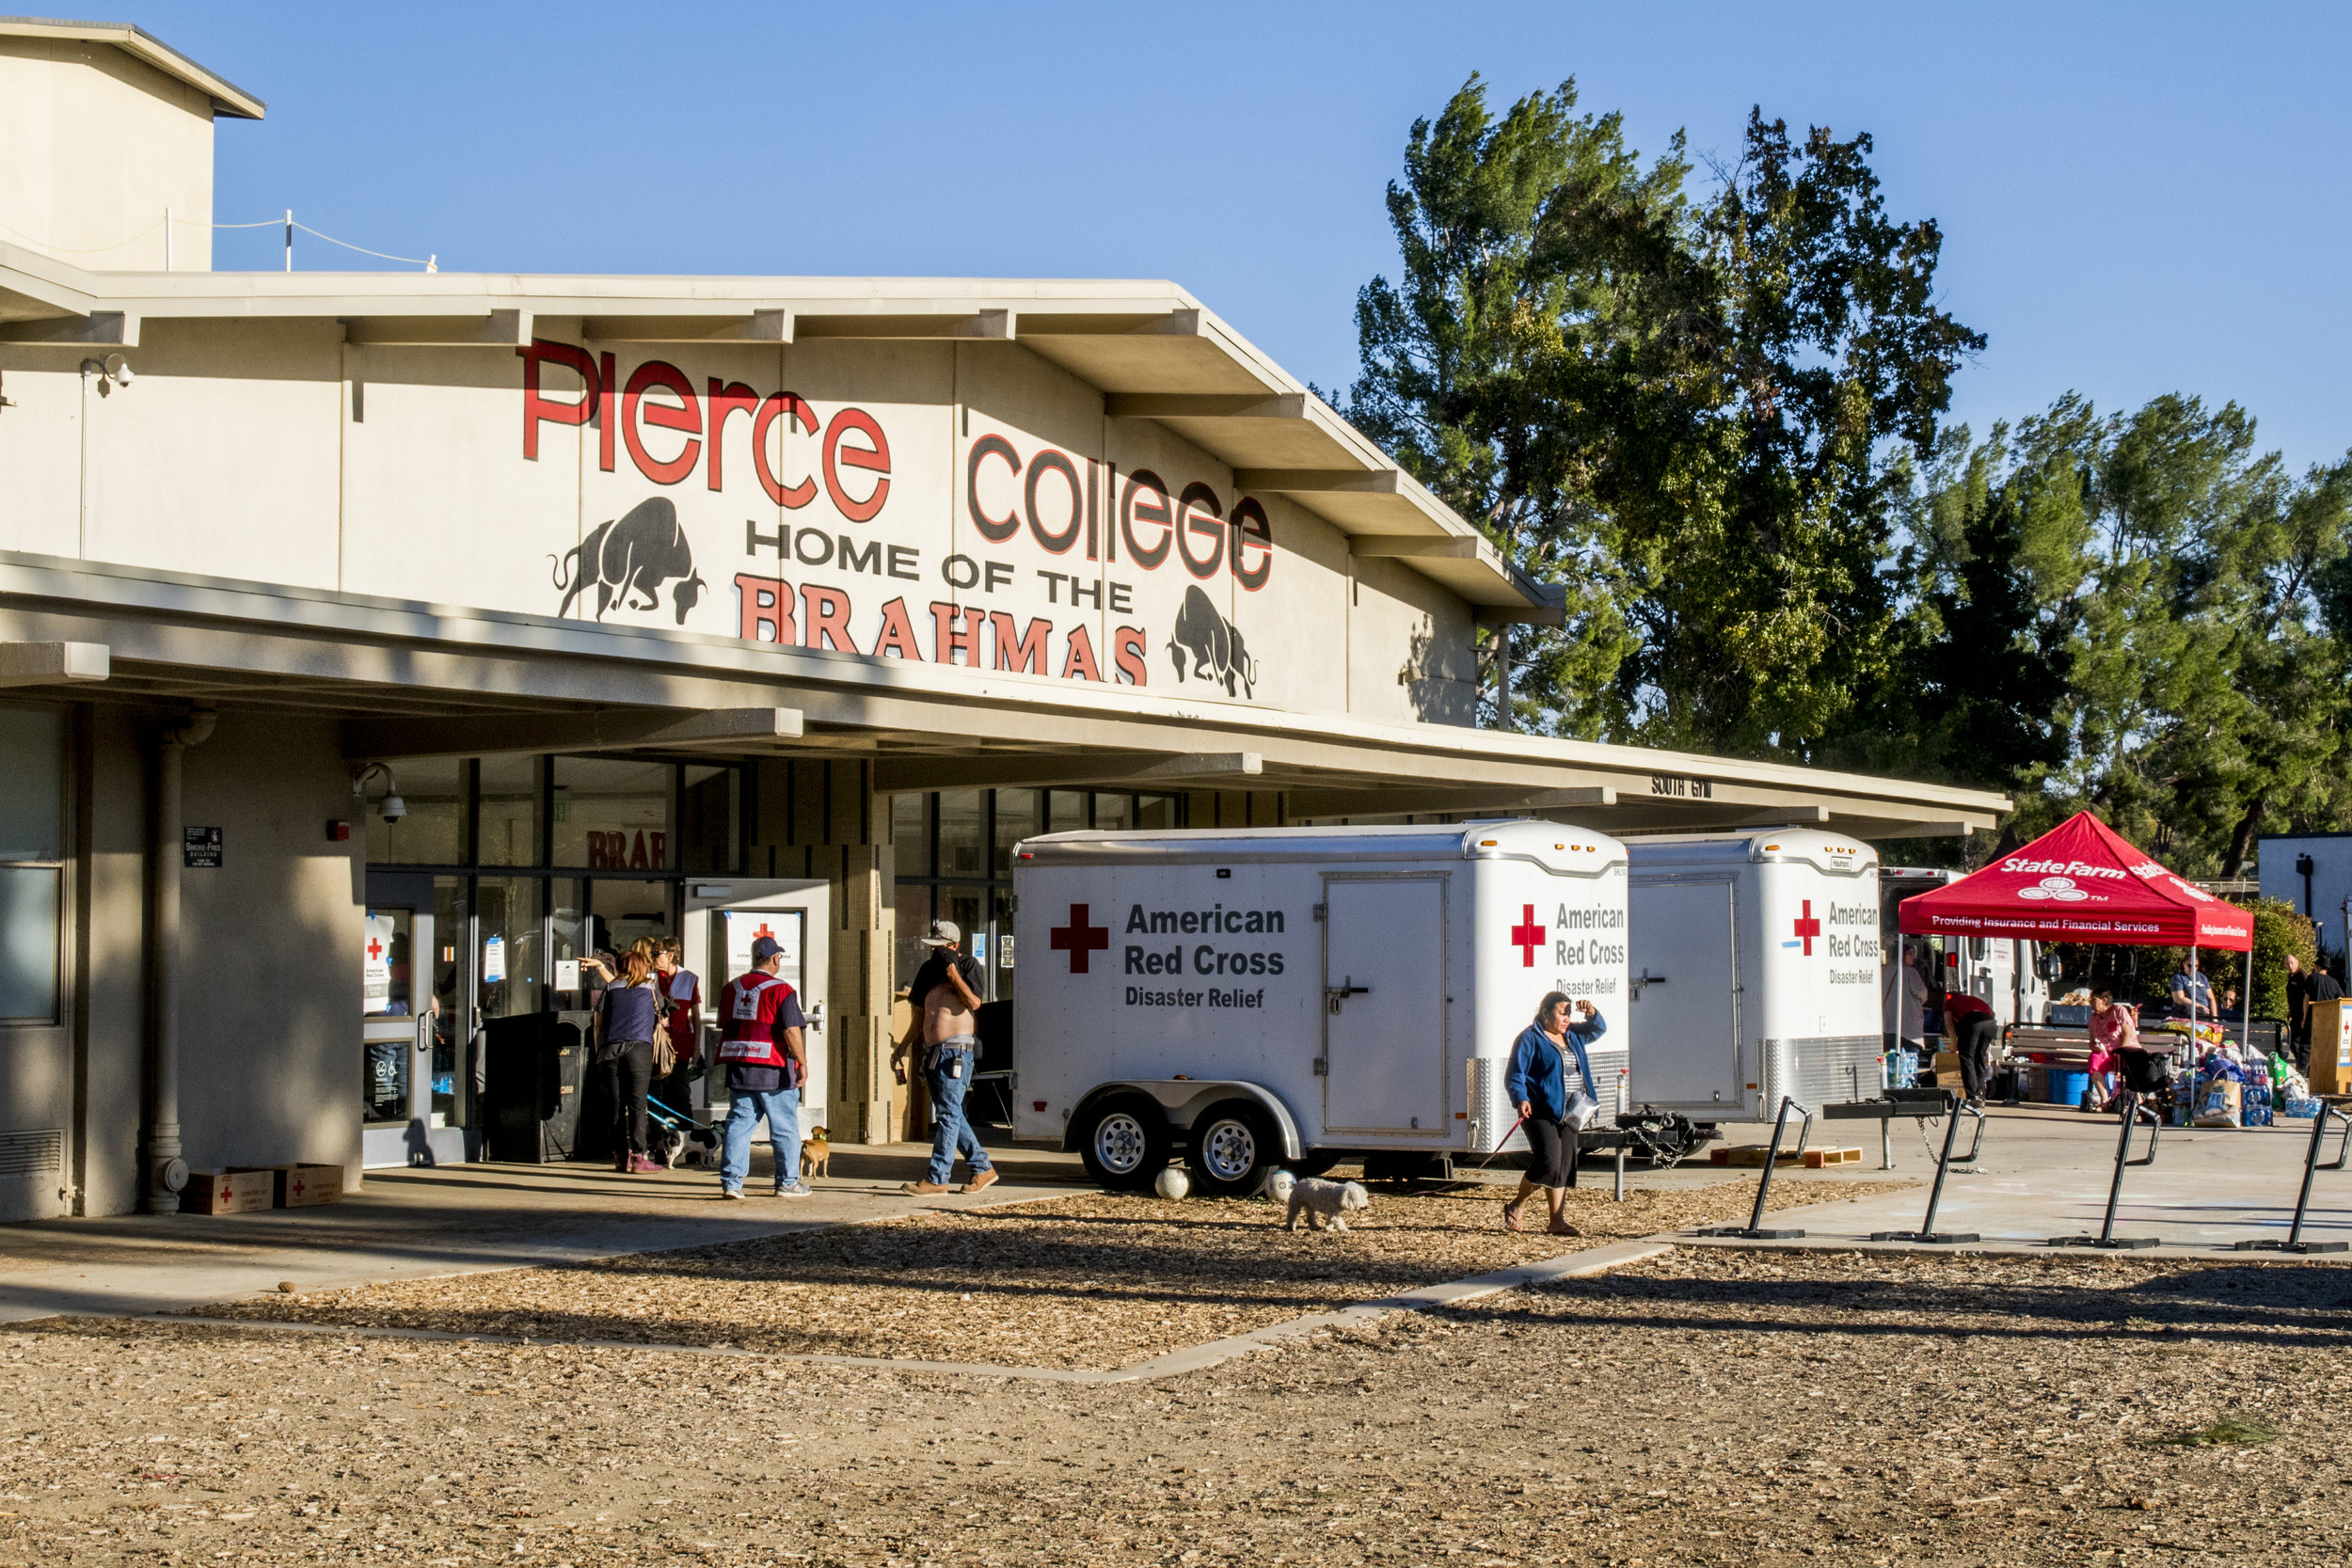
point(1278, 1183)
point(1172, 1185)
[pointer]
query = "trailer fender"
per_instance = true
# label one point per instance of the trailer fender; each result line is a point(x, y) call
point(1181, 1100)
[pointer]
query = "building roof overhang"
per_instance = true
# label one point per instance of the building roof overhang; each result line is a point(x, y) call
point(1150, 348)
point(410, 679)
point(229, 100)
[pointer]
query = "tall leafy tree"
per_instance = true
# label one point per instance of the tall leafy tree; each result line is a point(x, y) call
point(1541, 327)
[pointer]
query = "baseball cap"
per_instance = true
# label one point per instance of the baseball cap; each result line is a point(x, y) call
point(944, 933)
point(763, 948)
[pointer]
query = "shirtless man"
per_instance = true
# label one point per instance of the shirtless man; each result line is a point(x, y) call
point(945, 996)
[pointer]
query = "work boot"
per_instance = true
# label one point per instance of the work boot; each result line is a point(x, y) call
point(925, 1189)
point(981, 1179)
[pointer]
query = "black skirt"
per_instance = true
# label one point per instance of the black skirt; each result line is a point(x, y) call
point(1551, 1152)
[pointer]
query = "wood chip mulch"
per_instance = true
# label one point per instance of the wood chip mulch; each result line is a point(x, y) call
point(1097, 1281)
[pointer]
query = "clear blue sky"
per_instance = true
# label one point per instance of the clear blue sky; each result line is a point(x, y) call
point(2135, 199)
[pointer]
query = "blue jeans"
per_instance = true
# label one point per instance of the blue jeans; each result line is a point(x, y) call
point(951, 1134)
point(782, 1107)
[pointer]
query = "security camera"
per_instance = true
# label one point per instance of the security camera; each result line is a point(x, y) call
point(118, 370)
point(393, 808)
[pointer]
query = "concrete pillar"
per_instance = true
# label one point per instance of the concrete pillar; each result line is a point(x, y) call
point(167, 1172)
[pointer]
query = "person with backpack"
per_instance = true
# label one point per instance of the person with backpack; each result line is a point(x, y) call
point(627, 1012)
point(766, 1055)
point(1536, 1084)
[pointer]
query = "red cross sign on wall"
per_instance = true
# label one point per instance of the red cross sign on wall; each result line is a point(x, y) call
point(1080, 939)
point(376, 947)
point(1808, 927)
point(763, 931)
point(1526, 936)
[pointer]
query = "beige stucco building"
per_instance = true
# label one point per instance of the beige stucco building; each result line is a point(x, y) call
point(653, 596)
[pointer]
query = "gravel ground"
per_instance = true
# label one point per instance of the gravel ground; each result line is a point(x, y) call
point(1095, 1281)
point(1706, 1407)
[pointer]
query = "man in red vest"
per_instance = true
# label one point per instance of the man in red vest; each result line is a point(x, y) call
point(766, 1062)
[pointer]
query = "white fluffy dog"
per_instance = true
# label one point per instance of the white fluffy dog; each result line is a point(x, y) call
point(1324, 1203)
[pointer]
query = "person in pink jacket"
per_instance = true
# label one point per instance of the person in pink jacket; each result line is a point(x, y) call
point(2113, 1029)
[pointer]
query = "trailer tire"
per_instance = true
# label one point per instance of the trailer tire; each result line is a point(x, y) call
point(1125, 1146)
point(1234, 1146)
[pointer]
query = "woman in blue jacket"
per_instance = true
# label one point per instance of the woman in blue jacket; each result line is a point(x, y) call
point(1537, 1084)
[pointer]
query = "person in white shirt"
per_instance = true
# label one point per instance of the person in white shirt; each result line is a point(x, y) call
point(1911, 1032)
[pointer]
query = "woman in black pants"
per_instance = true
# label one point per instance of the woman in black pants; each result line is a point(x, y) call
point(630, 1007)
point(1537, 1084)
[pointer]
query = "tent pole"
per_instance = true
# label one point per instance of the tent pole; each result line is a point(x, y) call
point(2246, 1005)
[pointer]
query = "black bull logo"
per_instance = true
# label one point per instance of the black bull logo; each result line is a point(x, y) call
point(1214, 646)
point(638, 554)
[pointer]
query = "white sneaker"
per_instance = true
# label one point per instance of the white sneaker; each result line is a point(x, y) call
point(798, 1189)
point(732, 1195)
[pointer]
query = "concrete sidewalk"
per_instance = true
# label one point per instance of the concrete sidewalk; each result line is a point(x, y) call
point(412, 1223)
point(2044, 1173)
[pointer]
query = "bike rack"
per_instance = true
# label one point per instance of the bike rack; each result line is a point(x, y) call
point(1954, 1108)
point(2133, 1110)
point(2294, 1242)
point(1754, 1230)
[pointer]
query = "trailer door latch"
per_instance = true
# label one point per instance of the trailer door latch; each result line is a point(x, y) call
point(1323, 1068)
point(1346, 989)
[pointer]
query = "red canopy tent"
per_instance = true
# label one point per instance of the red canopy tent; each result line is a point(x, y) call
point(2081, 882)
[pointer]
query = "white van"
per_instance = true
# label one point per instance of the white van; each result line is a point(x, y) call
point(1755, 971)
point(1293, 995)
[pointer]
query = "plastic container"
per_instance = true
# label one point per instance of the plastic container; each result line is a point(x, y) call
point(2068, 1089)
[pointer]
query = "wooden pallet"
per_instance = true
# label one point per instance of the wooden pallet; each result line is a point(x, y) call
point(1812, 1159)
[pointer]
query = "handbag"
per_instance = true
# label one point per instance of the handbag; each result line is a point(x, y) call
point(664, 1053)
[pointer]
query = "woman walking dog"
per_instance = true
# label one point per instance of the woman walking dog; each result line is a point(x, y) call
point(1536, 1083)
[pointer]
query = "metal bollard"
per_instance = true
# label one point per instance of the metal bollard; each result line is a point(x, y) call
point(1953, 1109)
point(2106, 1237)
point(2294, 1242)
point(1754, 1230)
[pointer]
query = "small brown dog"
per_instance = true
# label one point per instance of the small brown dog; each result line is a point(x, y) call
point(816, 1154)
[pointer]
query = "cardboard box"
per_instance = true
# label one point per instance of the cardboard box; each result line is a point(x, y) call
point(302, 1186)
point(229, 1191)
point(1947, 1062)
point(2331, 1047)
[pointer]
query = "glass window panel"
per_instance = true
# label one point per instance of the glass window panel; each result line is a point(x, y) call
point(968, 907)
point(1155, 811)
point(32, 784)
point(630, 912)
point(1020, 813)
point(1069, 807)
point(453, 1091)
point(28, 942)
point(709, 807)
point(434, 831)
point(913, 900)
point(572, 936)
point(612, 816)
point(1002, 948)
point(510, 811)
point(962, 834)
point(910, 834)
point(508, 962)
point(1114, 813)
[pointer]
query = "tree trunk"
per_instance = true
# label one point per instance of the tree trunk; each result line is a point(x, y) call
point(2241, 836)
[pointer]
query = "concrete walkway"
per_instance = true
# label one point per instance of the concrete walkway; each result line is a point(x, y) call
point(413, 1224)
point(2044, 1173)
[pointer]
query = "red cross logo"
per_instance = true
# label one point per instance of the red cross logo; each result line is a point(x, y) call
point(1526, 936)
point(1808, 927)
point(763, 930)
point(376, 947)
point(1079, 939)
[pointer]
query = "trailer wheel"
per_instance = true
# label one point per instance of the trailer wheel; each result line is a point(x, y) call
point(1233, 1148)
point(1126, 1147)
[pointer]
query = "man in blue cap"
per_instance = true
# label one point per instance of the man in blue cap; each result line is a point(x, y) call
point(766, 1057)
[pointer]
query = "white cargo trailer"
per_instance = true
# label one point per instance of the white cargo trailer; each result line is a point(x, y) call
point(1755, 971)
point(1290, 995)
point(2005, 974)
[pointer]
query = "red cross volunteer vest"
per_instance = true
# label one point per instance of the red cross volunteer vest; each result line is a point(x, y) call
point(748, 1016)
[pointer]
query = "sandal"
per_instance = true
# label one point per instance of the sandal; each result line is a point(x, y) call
point(1511, 1217)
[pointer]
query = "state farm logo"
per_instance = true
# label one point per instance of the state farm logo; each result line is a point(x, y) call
point(2062, 889)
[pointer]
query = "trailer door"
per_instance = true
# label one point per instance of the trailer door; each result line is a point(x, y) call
point(1685, 1050)
point(1384, 1005)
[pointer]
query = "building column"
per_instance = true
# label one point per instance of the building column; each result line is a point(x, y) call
point(167, 1172)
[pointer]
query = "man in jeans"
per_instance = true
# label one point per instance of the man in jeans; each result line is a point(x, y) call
point(767, 1061)
point(946, 996)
